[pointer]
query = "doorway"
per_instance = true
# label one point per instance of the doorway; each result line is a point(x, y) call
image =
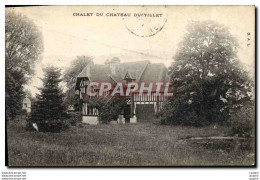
point(127, 113)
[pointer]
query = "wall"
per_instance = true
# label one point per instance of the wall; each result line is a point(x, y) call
point(92, 120)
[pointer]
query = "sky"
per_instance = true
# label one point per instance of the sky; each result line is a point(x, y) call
point(66, 36)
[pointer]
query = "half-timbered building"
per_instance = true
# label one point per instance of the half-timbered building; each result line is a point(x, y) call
point(141, 106)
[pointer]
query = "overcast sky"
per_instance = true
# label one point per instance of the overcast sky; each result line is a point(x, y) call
point(67, 36)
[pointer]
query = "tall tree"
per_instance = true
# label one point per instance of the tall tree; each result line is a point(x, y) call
point(70, 77)
point(49, 105)
point(23, 46)
point(13, 93)
point(207, 77)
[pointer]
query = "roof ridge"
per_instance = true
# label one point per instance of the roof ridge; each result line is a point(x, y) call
point(135, 62)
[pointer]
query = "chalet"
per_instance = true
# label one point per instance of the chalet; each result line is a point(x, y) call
point(142, 105)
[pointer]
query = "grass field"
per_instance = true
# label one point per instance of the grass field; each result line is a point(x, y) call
point(121, 145)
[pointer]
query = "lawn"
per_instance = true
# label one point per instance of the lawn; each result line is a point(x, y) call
point(122, 145)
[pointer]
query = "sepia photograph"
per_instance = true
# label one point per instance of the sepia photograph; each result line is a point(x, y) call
point(130, 86)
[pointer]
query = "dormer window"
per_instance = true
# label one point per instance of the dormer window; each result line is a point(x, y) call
point(128, 78)
point(83, 85)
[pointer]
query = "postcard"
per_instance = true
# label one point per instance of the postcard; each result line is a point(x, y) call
point(134, 86)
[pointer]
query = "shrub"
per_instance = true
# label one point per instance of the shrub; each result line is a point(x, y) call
point(48, 126)
point(242, 121)
point(109, 107)
point(23, 112)
point(178, 113)
point(29, 126)
point(75, 117)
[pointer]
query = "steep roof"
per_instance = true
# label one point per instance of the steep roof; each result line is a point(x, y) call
point(155, 72)
point(116, 72)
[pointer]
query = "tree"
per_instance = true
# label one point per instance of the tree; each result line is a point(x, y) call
point(23, 46)
point(70, 77)
point(23, 43)
point(13, 93)
point(207, 78)
point(27, 93)
point(242, 121)
point(113, 60)
point(49, 110)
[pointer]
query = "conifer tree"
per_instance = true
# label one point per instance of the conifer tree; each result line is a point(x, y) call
point(49, 111)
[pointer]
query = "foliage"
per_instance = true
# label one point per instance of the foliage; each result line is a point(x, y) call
point(207, 78)
point(23, 46)
point(109, 107)
point(23, 43)
point(113, 60)
point(23, 112)
point(49, 111)
point(14, 81)
point(243, 121)
point(70, 77)
point(179, 113)
point(27, 93)
point(75, 117)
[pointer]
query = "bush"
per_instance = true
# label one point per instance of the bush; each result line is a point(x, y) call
point(23, 112)
point(75, 117)
point(109, 107)
point(48, 126)
point(242, 121)
point(29, 126)
point(179, 113)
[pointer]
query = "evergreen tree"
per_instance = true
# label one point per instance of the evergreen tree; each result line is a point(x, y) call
point(14, 81)
point(49, 110)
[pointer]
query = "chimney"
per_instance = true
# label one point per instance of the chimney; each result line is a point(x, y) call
point(113, 63)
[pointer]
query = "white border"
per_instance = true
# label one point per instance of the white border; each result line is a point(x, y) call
point(122, 174)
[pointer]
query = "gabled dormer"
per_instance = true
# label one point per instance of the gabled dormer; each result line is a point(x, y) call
point(128, 78)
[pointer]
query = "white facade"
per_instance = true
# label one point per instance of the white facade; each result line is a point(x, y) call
point(92, 120)
point(27, 105)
